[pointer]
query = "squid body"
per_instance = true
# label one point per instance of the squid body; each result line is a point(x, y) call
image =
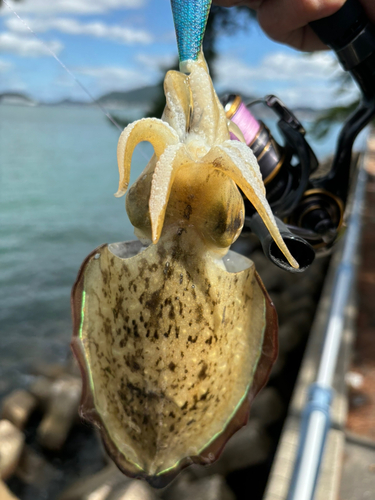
point(174, 333)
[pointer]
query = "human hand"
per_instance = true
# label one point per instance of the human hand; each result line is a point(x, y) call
point(286, 21)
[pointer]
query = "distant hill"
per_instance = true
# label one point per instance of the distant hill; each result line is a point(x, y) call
point(16, 98)
point(136, 97)
point(68, 102)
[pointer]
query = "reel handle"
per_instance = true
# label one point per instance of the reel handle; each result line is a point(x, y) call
point(339, 29)
point(351, 35)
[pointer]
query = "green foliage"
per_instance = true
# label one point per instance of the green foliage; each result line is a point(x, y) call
point(329, 117)
point(223, 21)
point(335, 114)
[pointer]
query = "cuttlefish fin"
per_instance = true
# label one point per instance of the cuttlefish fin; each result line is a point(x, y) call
point(237, 161)
point(159, 133)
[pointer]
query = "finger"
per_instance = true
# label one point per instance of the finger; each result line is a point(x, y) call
point(287, 21)
point(304, 39)
point(369, 6)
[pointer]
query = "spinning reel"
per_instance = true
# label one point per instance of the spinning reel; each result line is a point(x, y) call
point(309, 210)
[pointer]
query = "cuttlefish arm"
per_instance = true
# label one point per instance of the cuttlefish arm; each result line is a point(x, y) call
point(152, 130)
point(237, 161)
point(170, 162)
point(206, 140)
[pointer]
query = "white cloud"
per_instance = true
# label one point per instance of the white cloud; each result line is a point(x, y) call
point(157, 62)
point(278, 66)
point(10, 79)
point(71, 26)
point(300, 79)
point(5, 66)
point(108, 78)
point(297, 67)
point(12, 43)
point(72, 6)
point(317, 96)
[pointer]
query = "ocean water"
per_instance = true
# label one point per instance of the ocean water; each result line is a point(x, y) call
point(58, 173)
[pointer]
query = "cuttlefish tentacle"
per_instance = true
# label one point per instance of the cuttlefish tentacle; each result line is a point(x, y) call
point(159, 133)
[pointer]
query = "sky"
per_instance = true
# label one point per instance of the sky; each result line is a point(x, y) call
point(125, 44)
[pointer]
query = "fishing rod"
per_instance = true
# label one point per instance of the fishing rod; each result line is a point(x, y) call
point(309, 211)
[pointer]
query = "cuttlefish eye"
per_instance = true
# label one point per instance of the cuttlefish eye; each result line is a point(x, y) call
point(137, 205)
point(202, 197)
point(224, 227)
point(223, 212)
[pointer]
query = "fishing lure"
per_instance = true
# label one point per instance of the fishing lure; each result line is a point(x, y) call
point(174, 333)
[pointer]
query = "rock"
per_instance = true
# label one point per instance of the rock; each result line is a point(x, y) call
point(11, 445)
point(307, 285)
point(289, 337)
point(34, 469)
point(268, 406)
point(302, 320)
point(278, 301)
point(134, 490)
point(62, 411)
point(354, 380)
point(260, 261)
point(106, 458)
point(17, 407)
point(52, 370)
point(247, 244)
point(72, 367)
point(273, 278)
point(57, 370)
point(292, 332)
point(305, 303)
point(208, 488)
point(97, 486)
point(287, 308)
point(249, 446)
point(279, 365)
point(5, 494)
point(41, 389)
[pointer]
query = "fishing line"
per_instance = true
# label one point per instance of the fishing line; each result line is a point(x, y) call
point(78, 82)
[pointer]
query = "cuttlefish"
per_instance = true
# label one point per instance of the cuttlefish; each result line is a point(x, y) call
point(175, 334)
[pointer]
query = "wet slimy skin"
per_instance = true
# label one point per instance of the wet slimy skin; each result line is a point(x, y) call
point(194, 160)
point(174, 338)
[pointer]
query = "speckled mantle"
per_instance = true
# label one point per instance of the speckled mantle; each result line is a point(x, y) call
point(168, 378)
